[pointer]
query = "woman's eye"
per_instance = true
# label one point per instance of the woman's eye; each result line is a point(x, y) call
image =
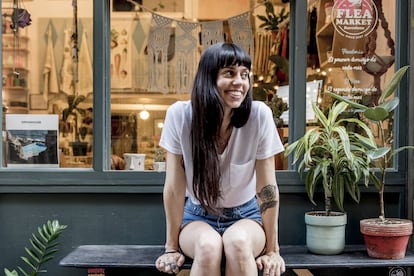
point(228, 73)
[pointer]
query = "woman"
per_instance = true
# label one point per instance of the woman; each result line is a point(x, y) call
point(221, 199)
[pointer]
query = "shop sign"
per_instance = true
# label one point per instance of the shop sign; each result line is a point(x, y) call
point(354, 19)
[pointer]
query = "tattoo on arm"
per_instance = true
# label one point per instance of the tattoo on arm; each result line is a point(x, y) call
point(268, 197)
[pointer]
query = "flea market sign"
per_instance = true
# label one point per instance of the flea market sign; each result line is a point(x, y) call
point(354, 19)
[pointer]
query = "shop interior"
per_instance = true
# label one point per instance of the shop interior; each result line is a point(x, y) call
point(155, 45)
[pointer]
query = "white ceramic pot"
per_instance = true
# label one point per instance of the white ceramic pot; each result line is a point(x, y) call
point(325, 235)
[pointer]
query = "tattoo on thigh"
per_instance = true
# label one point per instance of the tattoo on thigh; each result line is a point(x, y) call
point(268, 197)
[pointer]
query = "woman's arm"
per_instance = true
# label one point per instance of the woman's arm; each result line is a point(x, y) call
point(174, 197)
point(268, 199)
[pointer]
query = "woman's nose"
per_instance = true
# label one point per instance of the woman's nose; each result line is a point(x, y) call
point(237, 79)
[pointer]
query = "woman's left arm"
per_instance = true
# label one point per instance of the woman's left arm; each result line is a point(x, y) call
point(268, 199)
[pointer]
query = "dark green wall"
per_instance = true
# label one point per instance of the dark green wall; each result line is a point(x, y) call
point(138, 219)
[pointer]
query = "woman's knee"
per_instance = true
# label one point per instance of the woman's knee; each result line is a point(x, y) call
point(237, 242)
point(208, 248)
point(201, 242)
point(243, 240)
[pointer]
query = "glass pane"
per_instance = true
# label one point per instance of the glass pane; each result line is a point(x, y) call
point(350, 50)
point(154, 55)
point(271, 65)
point(138, 105)
point(47, 84)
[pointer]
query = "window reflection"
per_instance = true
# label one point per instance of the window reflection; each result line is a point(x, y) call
point(351, 48)
point(158, 50)
point(47, 77)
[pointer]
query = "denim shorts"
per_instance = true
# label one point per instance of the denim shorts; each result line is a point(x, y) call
point(248, 210)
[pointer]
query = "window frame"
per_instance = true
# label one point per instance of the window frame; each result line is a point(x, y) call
point(100, 179)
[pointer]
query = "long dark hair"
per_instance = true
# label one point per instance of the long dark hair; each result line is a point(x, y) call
point(207, 118)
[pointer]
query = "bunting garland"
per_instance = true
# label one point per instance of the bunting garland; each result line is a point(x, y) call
point(241, 32)
point(211, 33)
point(158, 41)
point(188, 37)
point(186, 55)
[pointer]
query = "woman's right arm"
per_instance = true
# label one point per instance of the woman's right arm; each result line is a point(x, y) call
point(174, 197)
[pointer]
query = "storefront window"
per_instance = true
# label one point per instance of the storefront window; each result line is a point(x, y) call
point(47, 84)
point(47, 88)
point(154, 54)
point(350, 50)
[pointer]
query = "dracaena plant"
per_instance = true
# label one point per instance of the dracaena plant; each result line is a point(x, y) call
point(381, 115)
point(333, 156)
point(43, 247)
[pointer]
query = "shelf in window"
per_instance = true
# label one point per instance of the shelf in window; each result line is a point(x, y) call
point(326, 30)
point(23, 50)
point(15, 88)
point(11, 36)
point(10, 68)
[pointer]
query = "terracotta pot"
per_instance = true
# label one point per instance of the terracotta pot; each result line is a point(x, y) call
point(386, 240)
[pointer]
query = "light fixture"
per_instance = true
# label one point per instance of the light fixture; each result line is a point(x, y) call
point(144, 114)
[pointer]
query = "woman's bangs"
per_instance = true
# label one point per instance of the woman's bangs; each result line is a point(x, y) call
point(234, 56)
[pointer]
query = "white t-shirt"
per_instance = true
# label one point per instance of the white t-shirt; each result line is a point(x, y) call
point(257, 139)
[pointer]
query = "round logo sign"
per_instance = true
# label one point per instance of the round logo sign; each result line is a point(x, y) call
point(397, 271)
point(354, 19)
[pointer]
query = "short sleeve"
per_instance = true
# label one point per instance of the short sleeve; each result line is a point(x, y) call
point(269, 139)
point(172, 131)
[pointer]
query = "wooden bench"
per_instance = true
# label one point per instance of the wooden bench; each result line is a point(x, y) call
point(104, 260)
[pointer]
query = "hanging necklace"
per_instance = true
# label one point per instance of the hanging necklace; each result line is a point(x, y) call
point(223, 140)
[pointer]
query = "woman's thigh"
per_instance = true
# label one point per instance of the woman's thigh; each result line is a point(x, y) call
point(248, 231)
point(198, 234)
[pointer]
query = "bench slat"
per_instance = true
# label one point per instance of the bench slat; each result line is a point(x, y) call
point(144, 256)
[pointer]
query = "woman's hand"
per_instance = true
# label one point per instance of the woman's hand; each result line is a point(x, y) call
point(271, 263)
point(170, 262)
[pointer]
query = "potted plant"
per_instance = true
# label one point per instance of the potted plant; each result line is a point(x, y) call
point(264, 92)
point(159, 160)
point(44, 247)
point(334, 158)
point(385, 238)
point(271, 21)
point(77, 113)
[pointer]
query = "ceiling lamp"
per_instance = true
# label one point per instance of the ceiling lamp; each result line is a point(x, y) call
point(144, 114)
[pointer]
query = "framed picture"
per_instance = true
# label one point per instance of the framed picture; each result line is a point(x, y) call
point(32, 140)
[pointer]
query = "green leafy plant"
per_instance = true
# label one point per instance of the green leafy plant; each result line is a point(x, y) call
point(333, 156)
point(159, 155)
point(44, 246)
point(278, 106)
point(381, 115)
point(271, 20)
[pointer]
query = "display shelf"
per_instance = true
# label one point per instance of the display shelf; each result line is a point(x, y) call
point(325, 34)
point(330, 43)
point(15, 73)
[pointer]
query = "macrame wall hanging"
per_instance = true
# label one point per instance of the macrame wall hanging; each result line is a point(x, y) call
point(186, 55)
point(384, 62)
point(241, 32)
point(188, 36)
point(211, 33)
point(158, 42)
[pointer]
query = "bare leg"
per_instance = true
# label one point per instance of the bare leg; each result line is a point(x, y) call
point(243, 242)
point(201, 242)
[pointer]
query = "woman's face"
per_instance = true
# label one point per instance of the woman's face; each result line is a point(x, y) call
point(233, 82)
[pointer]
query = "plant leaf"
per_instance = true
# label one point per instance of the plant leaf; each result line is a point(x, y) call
point(376, 114)
point(391, 104)
point(393, 83)
point(348, 101)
